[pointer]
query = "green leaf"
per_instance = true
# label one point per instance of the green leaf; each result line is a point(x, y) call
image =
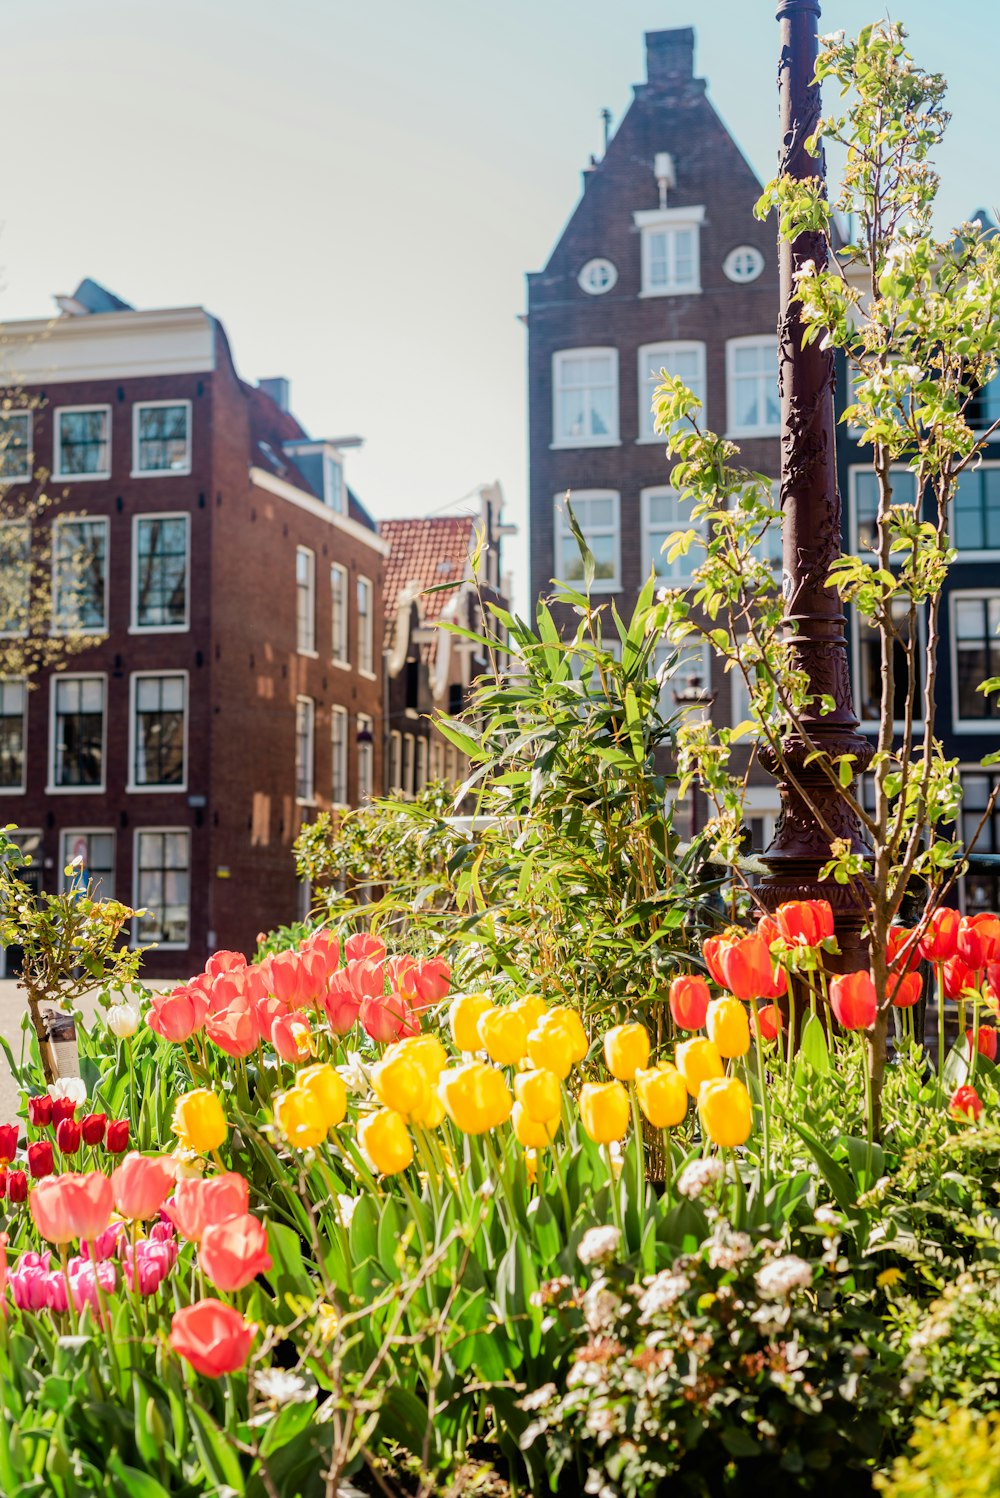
point(813, 1045)
point(217, 1455)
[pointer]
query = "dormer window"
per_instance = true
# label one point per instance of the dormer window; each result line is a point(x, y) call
point(671, 250)
point(333, 482)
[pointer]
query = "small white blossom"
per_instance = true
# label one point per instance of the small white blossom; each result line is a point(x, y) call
point(828, 1217)
point(486, 1190)
point(280, 1387)
point(354, 1076)
point(70, 1087)
point(832, 39)
point(779, 1278)
point(727, 1249)
point(346, 1206)
point(661, 1293)
point(538, 1397)
point(122, 1020)
point(695, 1177)
point(597, 1244)
point(600, 1306)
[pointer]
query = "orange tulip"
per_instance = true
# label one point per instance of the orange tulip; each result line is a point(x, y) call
point(234, 1252)
point(198, 1203)
point(978, 941)
point(141, 1183)
point(750, 971)
point(689, 998)
point(212, 1337)
point(853, 1000)
point(805, 923)
point(940, 938)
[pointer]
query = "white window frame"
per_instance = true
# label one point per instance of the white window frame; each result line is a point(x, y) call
point(305, 639)
point(309, 799)
point(135, 628)
point(338, 749)
point(16, 414)
point(409, 763)
point(650, 356)
point(395, 760)
point(669, 220)
point(57, 628)
point(78, 478)
point(870, 725)
point(343, 657)
point(437, 759)
point(159, 473)
point(366, 629)
point(19, 790)
point(134, 787)
point(559, 358)
point(421, 764)
point(161, 946)
point(853, 473)
point(695, 556)
point(66, 833)
point(563, 536)
point(366, 751)
point(52, 789)
point(23, 526)
point(983, 554)
point(987, 726)
point(333, 460)
point(758, 340)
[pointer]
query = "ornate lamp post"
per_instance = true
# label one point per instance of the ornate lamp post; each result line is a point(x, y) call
point(812, 811)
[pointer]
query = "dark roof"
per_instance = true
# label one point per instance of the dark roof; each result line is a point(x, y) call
point(271, 428)
point(97, 298)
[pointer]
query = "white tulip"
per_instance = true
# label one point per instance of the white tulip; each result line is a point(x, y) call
point(122, 1020)
point(71, 1087)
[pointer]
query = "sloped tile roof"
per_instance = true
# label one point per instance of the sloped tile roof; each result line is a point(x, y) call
point(426, 553)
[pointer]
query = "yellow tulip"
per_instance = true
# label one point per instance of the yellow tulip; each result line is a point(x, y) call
point(426, 1051)
point(476, 1097)
point(698, 1061)
point(532, 1007)
point(503, 1035)
point(300, 1118)
point(728, 1027)
point(726, 1112)
point(385, 1142)
point(327, 1088)
point(463, 1015)
point(199, 1122)
point(401, 1084)
point(529, 1132)
point(539, 1094)
point(558, 1041)
point(663, 1096)
point(604, 1110)
point(626, 1051)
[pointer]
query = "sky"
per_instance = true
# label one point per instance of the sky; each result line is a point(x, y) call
point(357, 189)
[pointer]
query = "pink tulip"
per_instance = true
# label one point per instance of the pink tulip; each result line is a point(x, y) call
point(72, 1206)
point(179, 1014)
point(386, 1019)
point(291, 1038)
point(141, 1184)
point(224, 962)
point(326, 945)
point(342, 1004)
point(235, 1029)
point(433, 980)
point(363, 944)
point(198, 1203)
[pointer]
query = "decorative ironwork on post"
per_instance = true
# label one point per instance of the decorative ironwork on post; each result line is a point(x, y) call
point(811, 541)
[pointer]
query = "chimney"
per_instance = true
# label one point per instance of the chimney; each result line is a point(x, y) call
point(278, 389)
point(670, 58)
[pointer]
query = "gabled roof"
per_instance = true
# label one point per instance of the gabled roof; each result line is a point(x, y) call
point(424, 554)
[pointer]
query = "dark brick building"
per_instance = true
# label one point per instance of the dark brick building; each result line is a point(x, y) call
point(234, 586)
point(662, 264)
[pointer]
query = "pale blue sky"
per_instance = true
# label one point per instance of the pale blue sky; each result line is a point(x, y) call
point(358, 188)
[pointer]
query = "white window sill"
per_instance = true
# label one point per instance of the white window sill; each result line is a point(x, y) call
point(341, 665)
point(16, 478)
point(159, 946)
point(80, 478)
point(735, 432)
point(869, 726)
point(14, 634)
point(658, 439)
point(155, 790)
point(645, 295)
point(75, 790)
point(572, 443)
point(599, 585)
point(368, 675)
point(159, 629)
point(161, 473)
point(975, 556)
point(12, 790)
point(979, 725)
point(311, 655)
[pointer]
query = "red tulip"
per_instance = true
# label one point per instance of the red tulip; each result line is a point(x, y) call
point(141, 1183)
point(805, 923)
point(116, 1139)
point(966, 1101)
point(771, 1021)
point(234, 1252)
point(689, 1000)
point(234, 1029)
point(905, 989)
point(711, 949)
point(8, 1143)
point(62, 1107)
point(361, 945)
point(938, 942)
point(853, 1000)
point(40, 1110)
point(93, 1127)
point(979, 940)
point(386, 1019)
point(198, 1204)
point(750, 970)
point(957, 978)
point(987, 1040)
point(179, 1014)
point(17, 1186)
point(68, 1136)
point(897, 938)
point(212, 1337)
point(40, 1162)
point(767, 927)
point(3, 1182)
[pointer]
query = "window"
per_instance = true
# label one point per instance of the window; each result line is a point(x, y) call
point(975, 656)
point(686, 667)
point(752, 368)
point(585, 397)
point(743, 264)
point(864, 500)
point(15, 446)
point(158, 731)
point(596, 512)
point(15, 576)
point(162, 887)
point(685, 360)
point(739, 690)
point(333, 482)
point(869, 674)
point(395, 760)
point(662, 514)
point(338, 604)
point(79, 575)
point(366, 757)
point(83, 442)
point(160, 552)
point(338, 756)
point(408, 749)
point(984, 408)
point(78, 732)
point(980, 889)
point(305, 758)
point(366, 628)
point(13, 726)
point(161, 433)
point(421, 764)
point(87, 858)
point(670, 250)
point(305, 600)
point(437, 760)
point(597, 277)
point(975, 521)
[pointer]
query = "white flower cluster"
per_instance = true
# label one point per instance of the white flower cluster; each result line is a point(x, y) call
point(280, 1387)
point(726, 1249)
point(695, 1177)
point(600, 1306)
point(661, 1293)
point(828, 1217)
point(538, 1398)
point(832, 39)
point(777, 1280)
point(598, 1244)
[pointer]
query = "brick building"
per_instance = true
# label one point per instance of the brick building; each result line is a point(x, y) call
point(662, 264)
point(234, 585)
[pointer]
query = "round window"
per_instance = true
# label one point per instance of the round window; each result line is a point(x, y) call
point(597, 276)
point(745, 263)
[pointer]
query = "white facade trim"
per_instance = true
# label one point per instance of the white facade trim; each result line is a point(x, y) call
point(261, 479)
point(108, 346)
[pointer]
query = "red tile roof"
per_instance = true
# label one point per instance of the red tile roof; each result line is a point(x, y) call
point(426, 553)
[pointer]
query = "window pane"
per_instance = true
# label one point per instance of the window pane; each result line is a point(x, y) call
point(163, 887)
point(161, 572)
point(15, 437)
point(159, 731)
point(15, 577)
point(79, 731)
point(12, 697)
point(163, 439)
point(79, 574)
point(83, 442)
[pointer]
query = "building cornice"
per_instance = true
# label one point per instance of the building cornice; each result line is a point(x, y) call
point(107, 346)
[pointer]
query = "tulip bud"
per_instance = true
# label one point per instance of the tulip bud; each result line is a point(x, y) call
point(966, 1102)
point(728, 1027)
point(40, 1110)
point(116, 1139)
point(476, 1097)
point(626, 1051)
point(122, 1020)
point(40, 1159)
point(199, 1121)
point(400, 1084)
point(725, 1111)
point(940, 939)
point(503, 1035)
point(299, 1119)
point(853, 1000)
point(385, 1142)
point(604, 1111)
point(558, 1041)
point(464, 1015)
point(527, 1131)
point(905, 991)
point(17, 1186)
point(805, 923)
point(327, 1089)
point(663, 1096)
point(698, 1061)
point(689, 997)
point(63, 1107)
point(8, 1143)
point(986, 1040)
point(539, 1094)
point(68, 1136)
point(93, 1127)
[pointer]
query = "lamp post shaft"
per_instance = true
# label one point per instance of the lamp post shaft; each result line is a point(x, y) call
point(811, 543)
